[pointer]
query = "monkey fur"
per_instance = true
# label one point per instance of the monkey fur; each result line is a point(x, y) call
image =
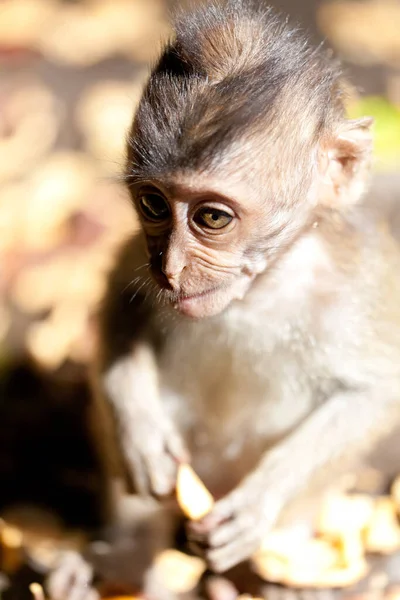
point(252, 325)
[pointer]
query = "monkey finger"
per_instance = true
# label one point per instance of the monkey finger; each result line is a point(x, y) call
point(176, 448)
point(229, 531)
point(70, 579)
point(82, 591)
point(59, 580)
point(202, 541)
point(92, 594)
point(139, 474)
point(219, 588)
point(222, 510)
point(162, 472)
point(199, 530)
point(197, 548)
point(225, 557)
point(81, 583)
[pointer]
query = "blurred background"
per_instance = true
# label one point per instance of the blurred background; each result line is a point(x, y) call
point(70, 75)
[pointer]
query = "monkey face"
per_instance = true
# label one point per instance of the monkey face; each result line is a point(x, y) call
point(207, 243)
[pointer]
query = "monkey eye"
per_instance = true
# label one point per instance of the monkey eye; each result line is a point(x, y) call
point(213, 218)
point(153, 207)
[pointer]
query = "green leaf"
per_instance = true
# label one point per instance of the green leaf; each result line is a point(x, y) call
point(386, 129)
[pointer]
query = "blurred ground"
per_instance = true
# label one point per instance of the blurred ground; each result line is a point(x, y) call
point(70, 74)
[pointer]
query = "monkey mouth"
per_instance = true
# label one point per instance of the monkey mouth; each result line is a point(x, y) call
point(189, 297)
point(189, 303)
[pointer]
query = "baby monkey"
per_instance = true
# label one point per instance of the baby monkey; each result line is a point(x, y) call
point(252, 326)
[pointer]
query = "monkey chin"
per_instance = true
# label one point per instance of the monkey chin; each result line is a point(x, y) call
point(212, 302)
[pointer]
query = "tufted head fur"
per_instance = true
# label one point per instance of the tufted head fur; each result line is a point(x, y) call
point(234, 70)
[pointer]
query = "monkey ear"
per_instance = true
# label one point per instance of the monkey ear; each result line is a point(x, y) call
point(345, 161)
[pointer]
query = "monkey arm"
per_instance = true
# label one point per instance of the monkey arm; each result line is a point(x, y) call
point(150, 445)
point(134, 435)
point(123, 561)
point(349, 424)
point(137, 437)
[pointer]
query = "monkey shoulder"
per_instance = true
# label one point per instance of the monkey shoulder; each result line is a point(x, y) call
point(360, 313)
point(363, 253)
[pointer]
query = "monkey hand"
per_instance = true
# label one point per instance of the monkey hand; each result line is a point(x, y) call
point(154, 450)
point(71, 579)
point(238, 523)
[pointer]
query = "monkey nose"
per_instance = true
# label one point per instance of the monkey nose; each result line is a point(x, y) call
point(161, 279)
point(173, 280)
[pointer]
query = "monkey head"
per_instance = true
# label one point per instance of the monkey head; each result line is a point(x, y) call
point(240, 134)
